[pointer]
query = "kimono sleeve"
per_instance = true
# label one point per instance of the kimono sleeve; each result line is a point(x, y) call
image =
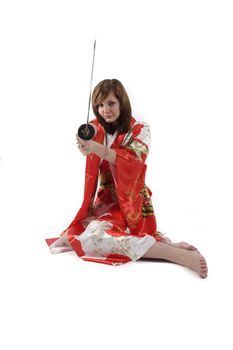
point(131, 171)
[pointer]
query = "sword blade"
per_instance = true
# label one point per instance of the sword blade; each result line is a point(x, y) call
point(92, 70)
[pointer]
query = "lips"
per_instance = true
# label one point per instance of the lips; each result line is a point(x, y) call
point(108, 118)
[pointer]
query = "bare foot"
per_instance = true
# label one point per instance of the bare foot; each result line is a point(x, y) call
point(182, 245)
point(186, 257)
point(195, 261)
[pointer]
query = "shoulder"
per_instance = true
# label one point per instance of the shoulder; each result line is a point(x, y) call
point(137, 122)
point(140, 129)
point(139, 132)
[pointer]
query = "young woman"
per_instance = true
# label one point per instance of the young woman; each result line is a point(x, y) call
point(116, 222)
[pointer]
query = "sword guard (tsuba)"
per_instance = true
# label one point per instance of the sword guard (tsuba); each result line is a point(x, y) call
point(86, 132)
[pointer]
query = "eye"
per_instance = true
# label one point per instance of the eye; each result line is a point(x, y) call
point(101, 105)
point(111, 103)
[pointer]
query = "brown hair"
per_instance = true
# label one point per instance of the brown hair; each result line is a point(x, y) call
point(101, 91)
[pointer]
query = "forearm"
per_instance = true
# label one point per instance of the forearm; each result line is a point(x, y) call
point(104, 152)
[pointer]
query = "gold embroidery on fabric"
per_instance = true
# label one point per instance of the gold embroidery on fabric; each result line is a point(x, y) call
point(106, 178)
point(97, 237)
point(138, 149)
point(147, 208)
point(120, 245)
point(117, 263)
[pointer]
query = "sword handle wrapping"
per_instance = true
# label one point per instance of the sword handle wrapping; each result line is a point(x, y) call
point(86, 132)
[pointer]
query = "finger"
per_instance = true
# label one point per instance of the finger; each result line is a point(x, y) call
point(81, 147)
point(80, 140)
point(83, 143)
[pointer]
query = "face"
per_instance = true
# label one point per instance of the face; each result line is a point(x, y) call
point(109, 109)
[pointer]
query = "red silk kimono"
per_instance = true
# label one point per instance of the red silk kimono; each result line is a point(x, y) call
point(116, 222)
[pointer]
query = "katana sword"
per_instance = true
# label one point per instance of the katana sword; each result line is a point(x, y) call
point(87, 131)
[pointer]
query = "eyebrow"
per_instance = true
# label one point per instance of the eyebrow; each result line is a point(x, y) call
point(109, 101)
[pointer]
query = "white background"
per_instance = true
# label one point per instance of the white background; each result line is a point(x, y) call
point(175, 60)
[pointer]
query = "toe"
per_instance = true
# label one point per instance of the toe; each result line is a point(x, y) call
point(188, 246)
point(203, 267)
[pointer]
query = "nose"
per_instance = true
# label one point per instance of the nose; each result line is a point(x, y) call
point(106, 109)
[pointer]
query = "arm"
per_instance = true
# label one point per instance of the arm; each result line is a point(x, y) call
point(104, 152)
point(87, 147)
point(137, 148)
